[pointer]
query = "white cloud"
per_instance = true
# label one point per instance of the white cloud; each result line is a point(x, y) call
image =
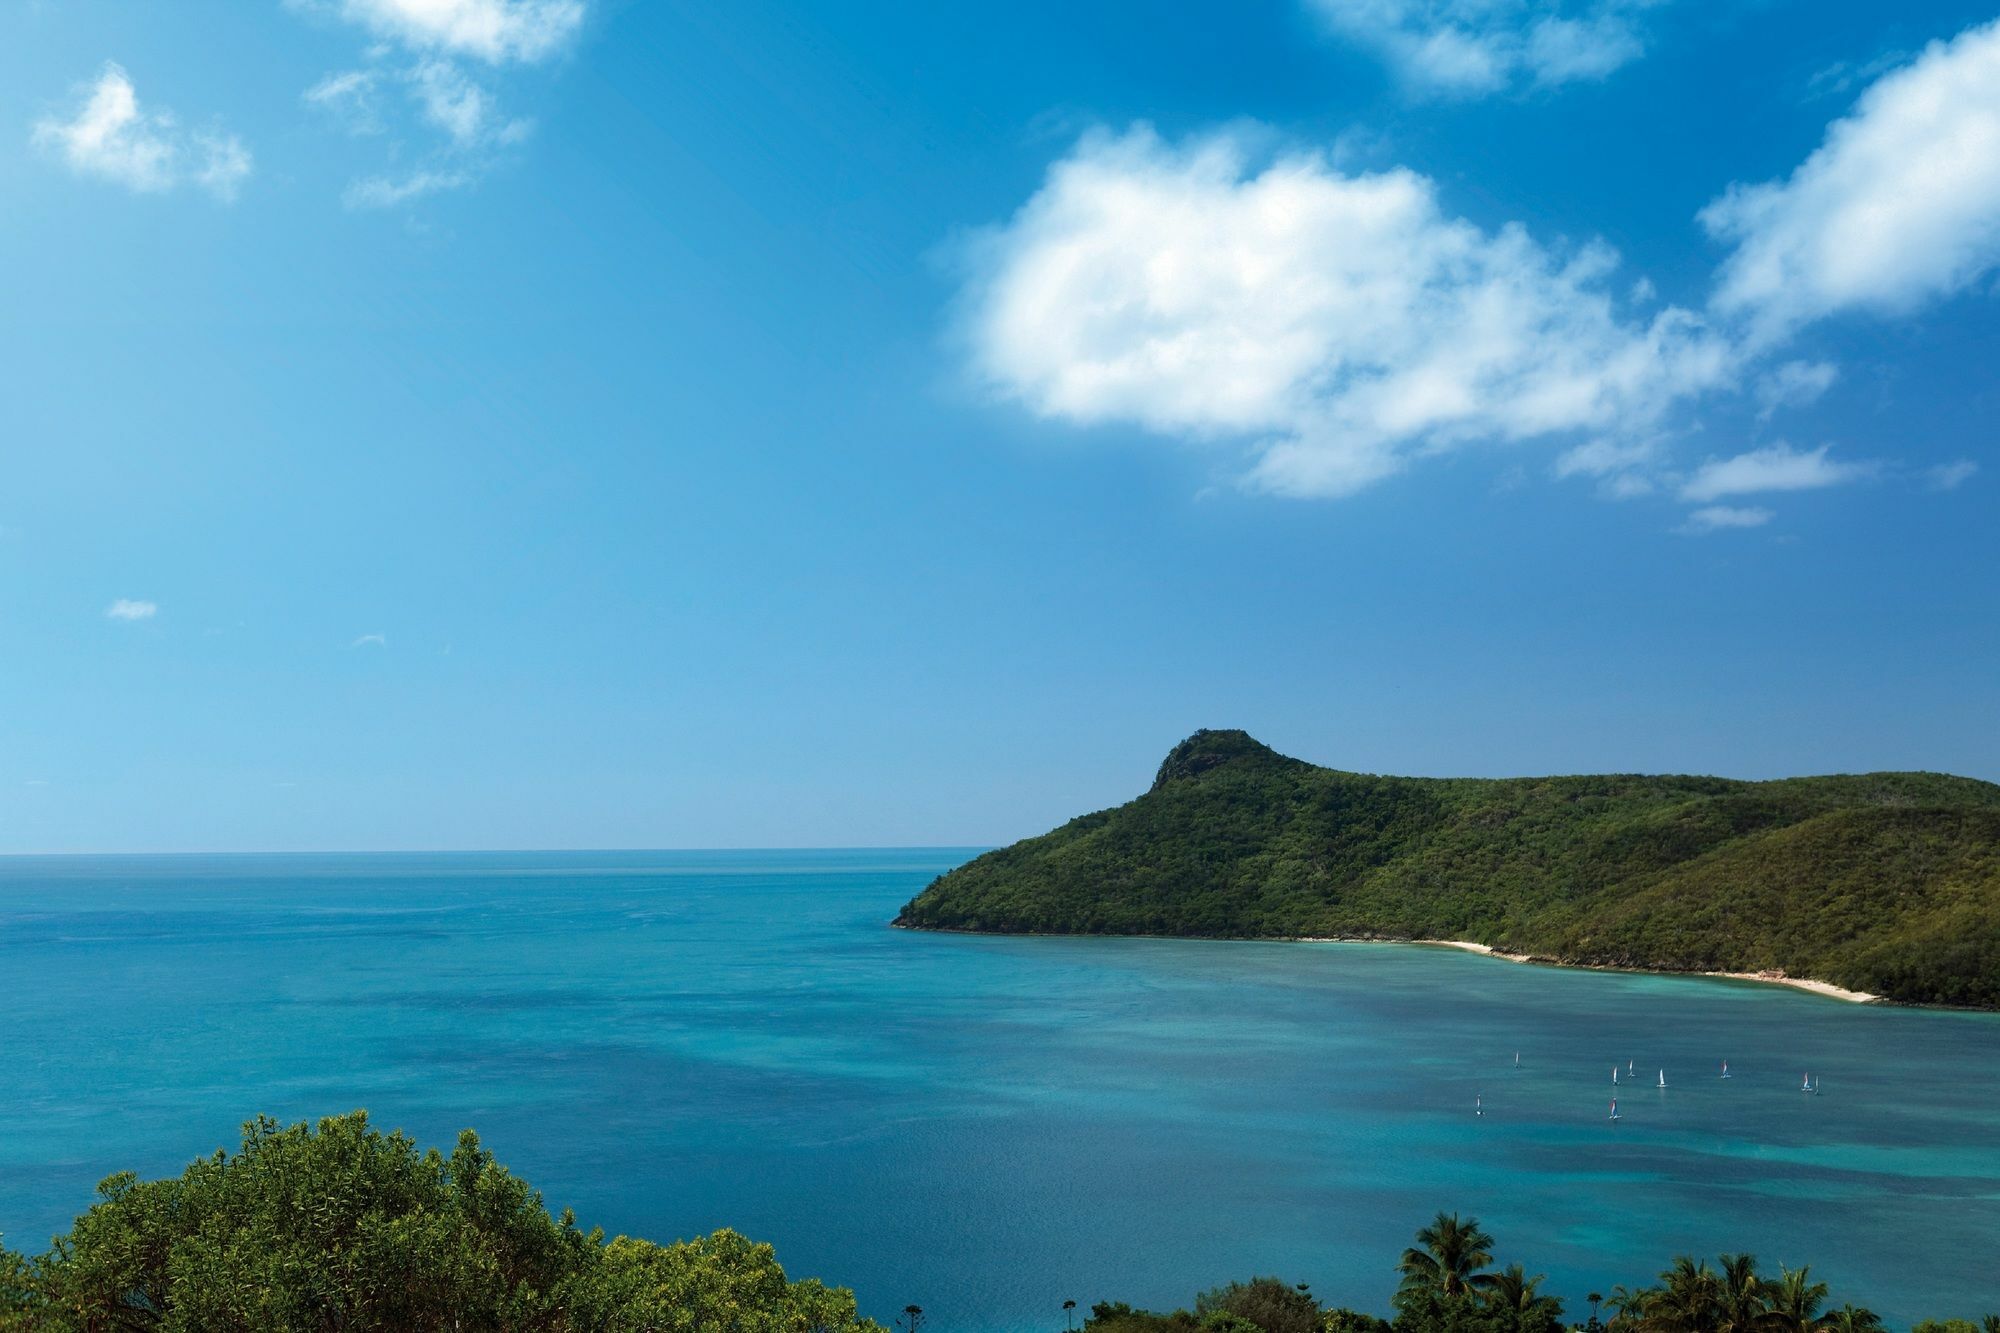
point(350, 95)
point(452, 102)
point(1950, 476)
point(423, 61)
point(1342, 324)
point(1794, 384)
point(111, 137)
point(1899, 204)
point(496, 31)
point(1714, 518)
point(370, 641)
point(389, 191)
point(1622, 467)
point(1465, 47)
point(1776, 468)
point(126, 608)
point(1599, 458)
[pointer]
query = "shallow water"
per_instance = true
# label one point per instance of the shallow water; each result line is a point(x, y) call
point(672, 1042)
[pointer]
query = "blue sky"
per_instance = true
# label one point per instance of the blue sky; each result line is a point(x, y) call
point(501, 423)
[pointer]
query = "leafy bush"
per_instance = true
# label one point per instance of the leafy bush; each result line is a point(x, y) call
point(346, 1228)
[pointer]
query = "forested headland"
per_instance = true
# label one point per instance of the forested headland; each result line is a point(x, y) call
point(1887, 883)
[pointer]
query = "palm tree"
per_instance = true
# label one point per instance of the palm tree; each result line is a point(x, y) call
point(1745, 1304)
point(1795, 1301)
point(1448, 1257)
point(1512, 1290)
point(1688, 1300)
point(1627, 1306)
point(1852, 1319)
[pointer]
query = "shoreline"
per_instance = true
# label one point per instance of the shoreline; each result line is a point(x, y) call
point(1771, 977)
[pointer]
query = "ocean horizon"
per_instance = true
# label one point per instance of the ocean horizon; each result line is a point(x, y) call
point(675, 1041)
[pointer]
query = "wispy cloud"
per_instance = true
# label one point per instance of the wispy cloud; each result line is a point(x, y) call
point(1950, 476)
point(415, 82)
point(1794, 384)
point(370, 641)
point(452, 102)
point(1622, 467)
point(1776, 468)
point(126, 608)
point(111, 137)
point(1460, 48)
point(1717, 518)
point(1340, 325)
point(352, 95)
point(389, 191)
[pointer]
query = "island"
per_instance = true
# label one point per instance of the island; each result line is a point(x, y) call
point(1882, 884)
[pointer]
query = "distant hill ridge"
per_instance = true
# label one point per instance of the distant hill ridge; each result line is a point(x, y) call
point(1881, 882)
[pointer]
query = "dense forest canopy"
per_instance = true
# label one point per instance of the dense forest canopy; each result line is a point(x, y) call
point(1883, 882)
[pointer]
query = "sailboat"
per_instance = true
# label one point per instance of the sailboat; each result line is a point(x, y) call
point(1663, 1078)
point(1614, 1076)
point(1725, 1069)
point(1614, 1109)
point(1631, 1069)
point(1517, 1059)
point(1808, 1085)
point(1479, 1106)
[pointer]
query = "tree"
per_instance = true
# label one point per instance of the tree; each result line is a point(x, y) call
point(1512, 1292)
point(1795, 1301)
point(342, 1227)
point(1627, 1306)
point(1744, 1307)
point(1852, 1319)
point(1689, 1299)
point(1448, 1258)
point(20, 1298)
point(1265, 1302)
point(722, 1281)
point(1340, 1320)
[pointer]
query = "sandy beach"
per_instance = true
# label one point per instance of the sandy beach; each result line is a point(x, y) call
point(1770, 978)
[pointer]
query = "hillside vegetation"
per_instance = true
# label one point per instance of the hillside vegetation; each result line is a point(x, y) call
point(1883, 882)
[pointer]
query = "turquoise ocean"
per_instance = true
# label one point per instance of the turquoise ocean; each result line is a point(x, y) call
point(677, 1041)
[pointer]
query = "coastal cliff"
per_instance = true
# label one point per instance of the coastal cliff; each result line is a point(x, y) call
point(1885, 883)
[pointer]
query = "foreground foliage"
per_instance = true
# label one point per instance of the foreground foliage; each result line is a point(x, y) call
point(347, 1228)
point(1450, 1286)
point(344, 1229)
point(1887, 882)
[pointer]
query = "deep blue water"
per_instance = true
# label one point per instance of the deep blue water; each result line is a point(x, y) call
point(672, 1042)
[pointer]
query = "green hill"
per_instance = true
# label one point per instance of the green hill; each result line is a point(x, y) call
point(1883, 882)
